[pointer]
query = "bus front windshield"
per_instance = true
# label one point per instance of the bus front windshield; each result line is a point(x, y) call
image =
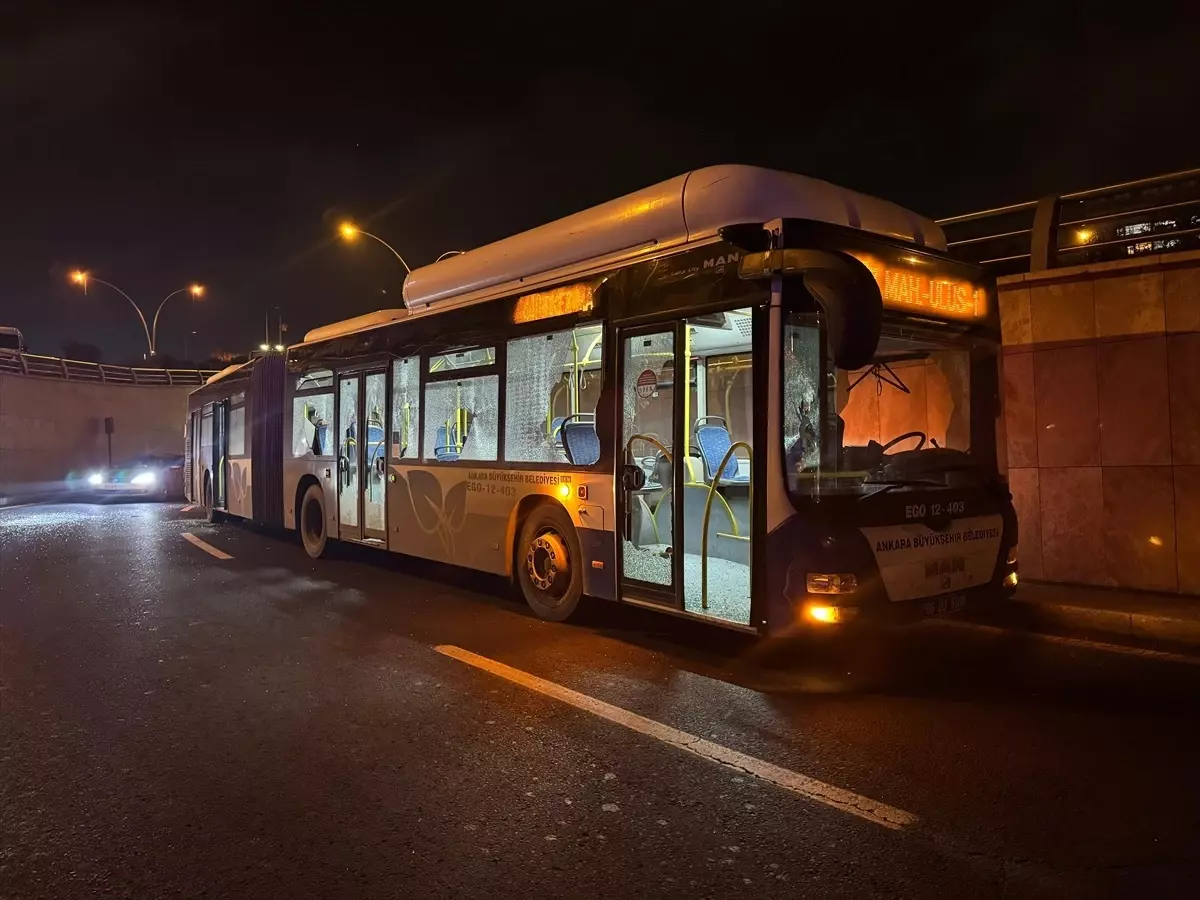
point(903, 421)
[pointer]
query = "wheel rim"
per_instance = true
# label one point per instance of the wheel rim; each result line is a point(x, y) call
point(313, 524)
point(548, 565)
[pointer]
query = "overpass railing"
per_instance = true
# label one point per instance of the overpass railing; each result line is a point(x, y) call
point(78, 370)
point(1138, 218)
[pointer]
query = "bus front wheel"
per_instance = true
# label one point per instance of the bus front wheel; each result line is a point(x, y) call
point(312, 521)
point(549, 563)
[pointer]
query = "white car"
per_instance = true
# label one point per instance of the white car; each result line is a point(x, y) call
point(152, 476)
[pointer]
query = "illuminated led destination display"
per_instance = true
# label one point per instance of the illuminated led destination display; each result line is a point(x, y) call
point(559, 301)
point(914, 285)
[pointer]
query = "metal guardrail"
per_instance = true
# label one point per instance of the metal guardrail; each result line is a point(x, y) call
point(1138, 218)
point(77, 370)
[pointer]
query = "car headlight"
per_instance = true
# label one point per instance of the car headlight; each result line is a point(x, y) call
point(144, 478)
point(95, 478)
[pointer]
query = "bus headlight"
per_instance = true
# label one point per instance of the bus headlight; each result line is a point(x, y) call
point(840, 583)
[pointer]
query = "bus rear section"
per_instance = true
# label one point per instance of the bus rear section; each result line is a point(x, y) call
point(234, 442)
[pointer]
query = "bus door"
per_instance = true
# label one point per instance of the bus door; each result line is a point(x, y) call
point(362, 456)
point(647, 494)
point(685, 464)
point(220, 453)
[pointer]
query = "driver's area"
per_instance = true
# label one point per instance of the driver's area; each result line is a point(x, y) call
point(897, 420)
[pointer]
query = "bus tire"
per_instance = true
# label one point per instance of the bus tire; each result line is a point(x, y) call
point(549, 563)
point(313, 531)
point(210, 512)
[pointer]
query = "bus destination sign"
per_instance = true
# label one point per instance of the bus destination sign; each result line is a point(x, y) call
point(914, 285)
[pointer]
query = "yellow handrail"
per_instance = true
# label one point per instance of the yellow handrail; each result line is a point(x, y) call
point(555, 390)
point(712, 489)
point(649, 440)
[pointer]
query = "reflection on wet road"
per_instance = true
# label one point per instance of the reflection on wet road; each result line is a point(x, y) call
point(173, 722)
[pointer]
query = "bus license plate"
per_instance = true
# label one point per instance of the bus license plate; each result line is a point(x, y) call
point(946, 603)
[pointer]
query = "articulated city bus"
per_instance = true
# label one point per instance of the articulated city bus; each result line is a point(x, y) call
point(740, 395)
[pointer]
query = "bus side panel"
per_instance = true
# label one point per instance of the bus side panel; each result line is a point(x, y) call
point(240, 501)
point(307, 468)
point(265, 424)
point(463, 515)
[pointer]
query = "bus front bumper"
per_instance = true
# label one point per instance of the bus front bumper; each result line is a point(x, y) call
point(871, 606)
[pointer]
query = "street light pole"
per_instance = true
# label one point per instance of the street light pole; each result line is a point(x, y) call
point(350, 231)
point(195, 290)
point(83, 278)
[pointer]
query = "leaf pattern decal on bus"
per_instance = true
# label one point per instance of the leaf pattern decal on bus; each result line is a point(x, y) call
point(435, 514)
point(239, 489)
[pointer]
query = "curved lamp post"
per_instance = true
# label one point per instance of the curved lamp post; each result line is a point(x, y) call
point(196, 290)
point(350, 233)
point(82, 279)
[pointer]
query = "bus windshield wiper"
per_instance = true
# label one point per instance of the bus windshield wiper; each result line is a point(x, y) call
point(892, 483)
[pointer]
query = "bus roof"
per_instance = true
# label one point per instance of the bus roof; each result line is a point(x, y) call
point(356, 323)
point(687, 209)
point(227, 371)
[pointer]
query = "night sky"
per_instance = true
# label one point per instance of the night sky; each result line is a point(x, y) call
point(223, 144)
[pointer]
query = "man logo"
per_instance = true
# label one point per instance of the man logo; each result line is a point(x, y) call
point(719, 262)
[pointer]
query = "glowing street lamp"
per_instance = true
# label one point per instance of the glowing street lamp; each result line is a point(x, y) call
point(350, 233)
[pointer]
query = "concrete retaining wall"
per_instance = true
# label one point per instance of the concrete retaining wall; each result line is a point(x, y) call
point(48, 426)
point(1102, 416)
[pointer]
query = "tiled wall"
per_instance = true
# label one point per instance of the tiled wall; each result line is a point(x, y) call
point(1102, 407)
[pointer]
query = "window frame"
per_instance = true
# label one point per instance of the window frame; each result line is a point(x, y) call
point(499, 339)
point(467, 371)
point(297, 394)
point(538, 330)
point(238, 401)
point(465, 375)
point(393, 365)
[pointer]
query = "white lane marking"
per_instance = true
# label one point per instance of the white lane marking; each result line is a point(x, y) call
point(839, 799)
point(207, 548)
point(187, 508)
point(1120, 649)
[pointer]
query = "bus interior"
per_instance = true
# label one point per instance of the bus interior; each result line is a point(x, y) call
point(909, 410)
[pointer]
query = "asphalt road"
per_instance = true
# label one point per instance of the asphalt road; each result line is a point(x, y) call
point(177, 725)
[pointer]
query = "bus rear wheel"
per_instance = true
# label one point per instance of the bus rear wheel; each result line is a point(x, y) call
point(549, 563)
point(312, 521)
point(210, 512)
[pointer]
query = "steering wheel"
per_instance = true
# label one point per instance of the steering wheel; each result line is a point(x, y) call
point(904, 437)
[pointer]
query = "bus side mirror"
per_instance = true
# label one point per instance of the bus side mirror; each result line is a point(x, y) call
point(842, 287)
